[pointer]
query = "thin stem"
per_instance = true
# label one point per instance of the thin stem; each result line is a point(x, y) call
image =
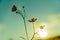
point(22, 37)
point(26, 29)
point(25, 25)
point(34, 31)
point(33, 36)
point(33, 27)
point(23, 16)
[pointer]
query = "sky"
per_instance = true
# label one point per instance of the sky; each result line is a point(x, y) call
point(12, 26)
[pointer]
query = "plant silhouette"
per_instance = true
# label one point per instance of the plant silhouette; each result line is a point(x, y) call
point(14, 9)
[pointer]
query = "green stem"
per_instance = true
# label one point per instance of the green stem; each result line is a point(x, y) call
point(33, 36)
point(22, 37)
point(25, 25)
point(25, 28)
point(23, 16)
point(34, 31)
point(33, 27)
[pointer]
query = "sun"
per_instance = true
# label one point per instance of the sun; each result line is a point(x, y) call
point(43, 33)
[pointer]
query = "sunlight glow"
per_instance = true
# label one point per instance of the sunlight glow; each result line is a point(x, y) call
point(43, 33)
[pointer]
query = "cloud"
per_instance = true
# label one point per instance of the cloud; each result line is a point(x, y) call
point(53, 24)
point(54, 20)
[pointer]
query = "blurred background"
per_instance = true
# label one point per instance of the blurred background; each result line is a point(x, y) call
point(47, 12)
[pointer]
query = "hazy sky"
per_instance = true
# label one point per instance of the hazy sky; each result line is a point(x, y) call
point(46, 11)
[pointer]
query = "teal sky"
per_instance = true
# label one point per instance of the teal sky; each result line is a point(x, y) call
point(46, 11)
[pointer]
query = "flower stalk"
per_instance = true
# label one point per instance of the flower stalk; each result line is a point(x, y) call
point(14, 9)
point(32, 21)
